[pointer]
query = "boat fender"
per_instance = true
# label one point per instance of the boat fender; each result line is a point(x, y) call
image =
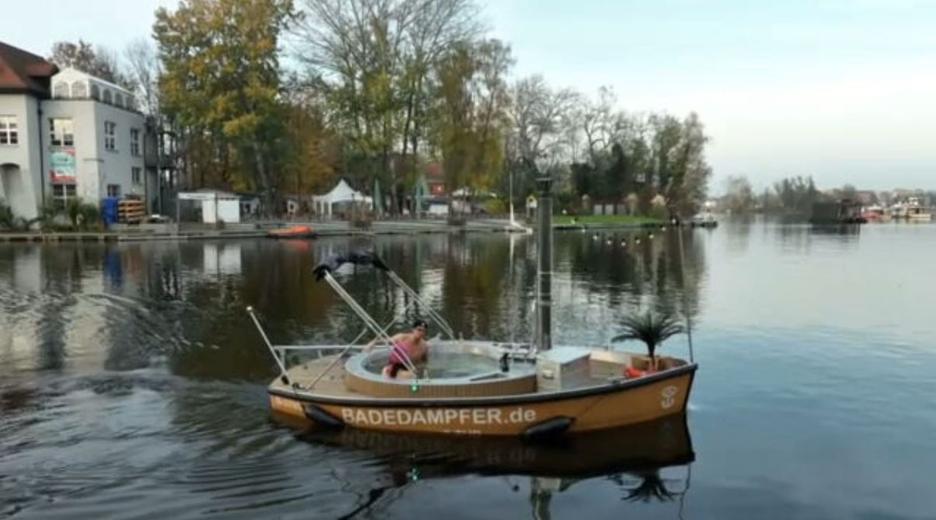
point(322, 418)
point(549, 428)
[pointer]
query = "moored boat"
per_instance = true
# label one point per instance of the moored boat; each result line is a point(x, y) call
point(705, 220)
point(916, 212)
point(297, 231)
point(476, 387)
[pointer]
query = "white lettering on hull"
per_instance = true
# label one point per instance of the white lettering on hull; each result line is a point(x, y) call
point(445, 417)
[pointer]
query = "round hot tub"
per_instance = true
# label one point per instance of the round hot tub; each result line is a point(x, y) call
point(455, 369)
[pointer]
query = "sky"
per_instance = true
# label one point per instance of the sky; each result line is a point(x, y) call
point(843, 90)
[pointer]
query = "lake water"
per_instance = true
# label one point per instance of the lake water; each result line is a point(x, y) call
point(132, 384)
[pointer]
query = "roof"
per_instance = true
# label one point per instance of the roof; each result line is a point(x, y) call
point(24, 72)
point(72, 74)
point(342, 192)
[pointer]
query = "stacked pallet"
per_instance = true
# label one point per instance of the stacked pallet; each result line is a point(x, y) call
point(131, 211)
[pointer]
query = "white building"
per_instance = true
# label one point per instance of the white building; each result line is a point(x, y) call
point(64, 135)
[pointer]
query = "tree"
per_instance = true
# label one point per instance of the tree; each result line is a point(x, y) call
point(739, 195)
point(313, 150)
point(796, 194)
point(221, 83)
point(143, 71)
point(469, 118)
point(373, 58)
point(100, 62)
point(849, 192)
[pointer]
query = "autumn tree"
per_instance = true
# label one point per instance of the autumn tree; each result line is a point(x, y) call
point(221, 84)
point(469, 115)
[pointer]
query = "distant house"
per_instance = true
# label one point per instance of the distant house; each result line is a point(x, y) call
point(65, 135)
point(435, 179)
point(429, 192)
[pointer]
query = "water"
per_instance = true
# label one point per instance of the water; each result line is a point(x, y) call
point(133, 386)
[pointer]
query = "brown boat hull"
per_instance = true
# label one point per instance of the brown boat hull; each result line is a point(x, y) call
point(590, 409)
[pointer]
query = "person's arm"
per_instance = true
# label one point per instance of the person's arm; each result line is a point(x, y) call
point(379, 339)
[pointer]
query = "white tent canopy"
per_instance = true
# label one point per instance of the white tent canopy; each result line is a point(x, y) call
point(341, 193)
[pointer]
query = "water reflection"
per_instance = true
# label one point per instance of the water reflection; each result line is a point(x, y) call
point(634, 459)
point(131, 383)
point(126, 306)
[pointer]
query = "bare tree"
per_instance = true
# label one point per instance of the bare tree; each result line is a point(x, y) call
point(100, 62)
point(144, 69)
point(539, 117)
point(373, 59)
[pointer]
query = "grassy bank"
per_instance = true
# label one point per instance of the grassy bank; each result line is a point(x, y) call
point(605, 220)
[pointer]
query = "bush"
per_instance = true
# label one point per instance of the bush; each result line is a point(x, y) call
point(495, 207)
point(47, 215)
point(83, 216)
point(7, 220)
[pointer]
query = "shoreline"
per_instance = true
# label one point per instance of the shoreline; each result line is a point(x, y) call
point(326, 229)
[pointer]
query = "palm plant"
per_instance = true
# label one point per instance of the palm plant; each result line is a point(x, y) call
point(652, 330)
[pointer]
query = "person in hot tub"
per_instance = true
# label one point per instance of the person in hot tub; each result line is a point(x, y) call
point(405, 346)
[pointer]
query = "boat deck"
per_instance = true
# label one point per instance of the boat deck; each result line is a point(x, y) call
point(334, 383)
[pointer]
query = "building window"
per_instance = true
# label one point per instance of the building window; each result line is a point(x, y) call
point(113, 190)
point(61, 193)
point(135, 141)
point(110, 136)
point(61, 132)
point(95, 92)
point(60, 90)
point(108, 97)
point(79, 89)
point(9, 132)
point(118, 100)
point(136, 174)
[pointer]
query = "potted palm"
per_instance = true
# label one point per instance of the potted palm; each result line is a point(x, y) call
point(652, 329)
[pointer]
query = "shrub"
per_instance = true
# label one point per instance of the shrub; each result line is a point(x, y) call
point(48, 213)
point(83, 216)
point(495, 207)
point(7, 220)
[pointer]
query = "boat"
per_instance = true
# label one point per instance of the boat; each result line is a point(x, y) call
point(474, 387)
point(705, 220)
point(873, 213)
point(297, 231)
point(916, 212)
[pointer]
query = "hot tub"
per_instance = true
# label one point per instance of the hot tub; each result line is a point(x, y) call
point(455, 369)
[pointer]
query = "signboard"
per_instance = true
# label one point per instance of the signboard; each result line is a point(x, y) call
point(62, 166)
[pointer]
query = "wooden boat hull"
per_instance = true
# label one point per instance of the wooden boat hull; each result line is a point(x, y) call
point(611, 405)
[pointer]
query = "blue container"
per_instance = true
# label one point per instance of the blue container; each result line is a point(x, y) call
point(109, 210)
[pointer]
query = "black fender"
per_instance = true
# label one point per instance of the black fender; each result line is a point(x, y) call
point(548, 429)
point(321, 417)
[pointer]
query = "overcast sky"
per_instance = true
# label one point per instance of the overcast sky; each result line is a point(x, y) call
point(844, 90)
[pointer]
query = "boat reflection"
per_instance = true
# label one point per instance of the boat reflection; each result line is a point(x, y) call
point(632, 458)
